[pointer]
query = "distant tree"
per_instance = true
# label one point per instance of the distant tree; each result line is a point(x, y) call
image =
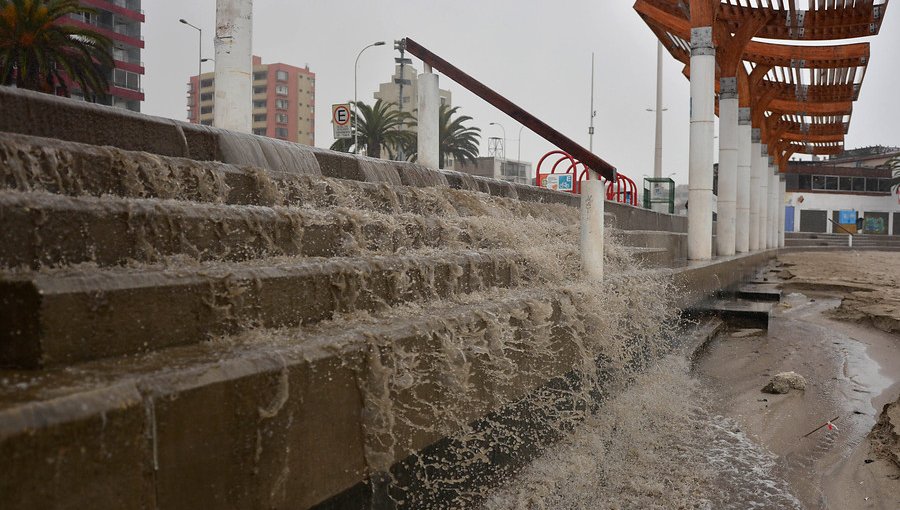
point(38, 53)
point(457, 140)
point(381, 129)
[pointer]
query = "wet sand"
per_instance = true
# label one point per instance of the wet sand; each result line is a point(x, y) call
point(837, 334)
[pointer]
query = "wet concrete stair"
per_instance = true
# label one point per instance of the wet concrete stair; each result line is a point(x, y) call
point(176, 328)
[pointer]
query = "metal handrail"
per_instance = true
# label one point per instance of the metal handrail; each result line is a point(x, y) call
point(838, 225)
point(528, 120)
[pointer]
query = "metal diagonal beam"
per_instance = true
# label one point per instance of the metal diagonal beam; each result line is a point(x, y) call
point(528, 120)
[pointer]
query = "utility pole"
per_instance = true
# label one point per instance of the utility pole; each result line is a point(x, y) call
point(400, 45)
point(593, 111)
point(657, 159)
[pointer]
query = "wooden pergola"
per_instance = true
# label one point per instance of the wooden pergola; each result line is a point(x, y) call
point(774, 99)
point(801, 96)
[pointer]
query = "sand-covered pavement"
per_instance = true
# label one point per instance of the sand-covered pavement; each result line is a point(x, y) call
point(837, 326)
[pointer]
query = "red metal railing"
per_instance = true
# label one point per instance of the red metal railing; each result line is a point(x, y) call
point(560, 163)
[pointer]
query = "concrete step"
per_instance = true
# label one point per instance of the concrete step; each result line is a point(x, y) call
point(738, 312)
point(43, 229)
point(66, 168)
point(759, 292)
point(60, 318)
point(674, 242)
point(652, 257)
point(189, 427)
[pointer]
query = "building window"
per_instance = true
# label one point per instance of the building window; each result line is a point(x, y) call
point(859, 184)
point(260, 131)
point(818, 182)
point(206, 122)
point(884, 185)
point(804, 182)
point(281, 132)
point(846, 184)
point(259, 104)
point(259, 90)
point(281, 75)
point(281, 90)
point(260, 75)
point(205, 109)
point(126, 79)
point(831, 182)
point(872, 184)
point(282, 104)
point(206, 83)
point(281, 118)
point(260, 117)
point(206, 96)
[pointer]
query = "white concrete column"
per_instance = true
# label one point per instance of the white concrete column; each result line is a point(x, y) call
point(772, 227)
point(728, 166)
point(782, 192)
point(593, 204)
point(233, 101)
point(755, 188)
point(429, 120)
point(777, 204)
point(763, 196)
point(742, 216)
point(700, 165)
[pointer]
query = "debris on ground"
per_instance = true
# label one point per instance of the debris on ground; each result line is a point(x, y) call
point(886, 434)
point(784, 382)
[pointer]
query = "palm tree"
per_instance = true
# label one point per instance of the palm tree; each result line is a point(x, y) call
point(37, 52)
point(381, 127)
point(456, 139)
point(893, 165)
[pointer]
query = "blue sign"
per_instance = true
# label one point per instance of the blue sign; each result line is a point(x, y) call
point(847, 217)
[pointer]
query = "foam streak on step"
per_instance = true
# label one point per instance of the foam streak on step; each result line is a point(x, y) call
point(59, 320)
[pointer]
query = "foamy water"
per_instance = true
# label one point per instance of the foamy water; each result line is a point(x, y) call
point(655, 445)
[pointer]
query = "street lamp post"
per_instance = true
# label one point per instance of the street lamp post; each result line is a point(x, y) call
point(504, 136)
point(355, 109)
point(200, 53)
point(519, 140)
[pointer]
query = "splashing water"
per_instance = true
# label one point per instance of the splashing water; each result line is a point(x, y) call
point(654, 445)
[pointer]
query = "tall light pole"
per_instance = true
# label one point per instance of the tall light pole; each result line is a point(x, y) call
point(593, 111)
point(355, 109)
point(200, 52)
point(504, 136)
point(657, 159)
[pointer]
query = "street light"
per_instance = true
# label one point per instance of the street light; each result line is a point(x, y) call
point(504, 136)
point(200, 53)
point(519, 155)
point(355, 109)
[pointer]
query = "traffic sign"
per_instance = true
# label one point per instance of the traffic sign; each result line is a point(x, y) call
point(340, 119)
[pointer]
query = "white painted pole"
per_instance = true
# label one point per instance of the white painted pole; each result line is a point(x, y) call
point(700, 165)
point(742, 216)
point(782, 191)
point(774, 215)
point(233, 102)
point(728, 167)
point(755, 188)
point(763, 196)
point(429, 119)
point(593, 204)
point(658, 153)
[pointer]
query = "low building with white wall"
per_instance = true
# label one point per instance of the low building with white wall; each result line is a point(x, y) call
point(819, 190)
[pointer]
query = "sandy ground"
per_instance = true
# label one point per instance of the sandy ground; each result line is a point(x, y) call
point(868, 282)
point(836, 326)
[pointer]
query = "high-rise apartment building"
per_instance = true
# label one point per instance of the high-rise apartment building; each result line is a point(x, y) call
point(120, 21)
point(284, 101)
point(390, 91)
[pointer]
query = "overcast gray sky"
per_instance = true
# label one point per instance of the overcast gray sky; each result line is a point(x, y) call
point(535, 52)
